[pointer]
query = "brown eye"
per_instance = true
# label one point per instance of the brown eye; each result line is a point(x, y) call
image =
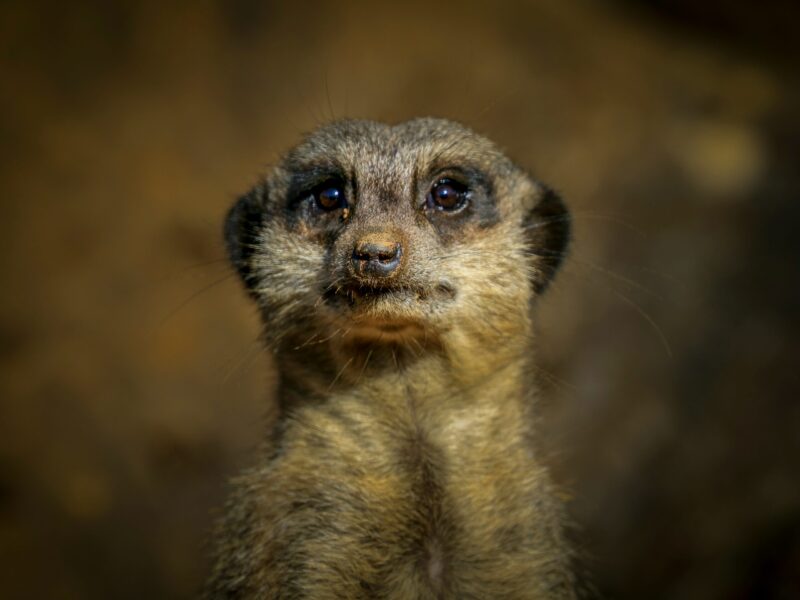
point(447, 195)
point(330, 197)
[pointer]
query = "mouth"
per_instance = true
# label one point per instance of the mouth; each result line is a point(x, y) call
point(383, 307)
point(388, 314)
point(388, 311)
point(356, 295)
point(361, 297)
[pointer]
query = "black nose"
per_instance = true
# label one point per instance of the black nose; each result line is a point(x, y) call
point(376, 258)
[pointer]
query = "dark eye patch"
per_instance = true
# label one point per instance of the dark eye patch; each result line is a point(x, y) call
point(305, 183)
point(454, 197)
point(317, 200)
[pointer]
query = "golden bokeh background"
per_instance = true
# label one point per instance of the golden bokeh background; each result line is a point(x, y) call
point(132, 385)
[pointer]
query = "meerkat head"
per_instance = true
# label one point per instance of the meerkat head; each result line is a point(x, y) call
point(372, 235)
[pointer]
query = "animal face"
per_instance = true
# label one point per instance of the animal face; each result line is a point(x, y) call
point(385, 234)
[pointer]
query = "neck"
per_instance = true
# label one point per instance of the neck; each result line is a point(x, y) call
point(453, 380)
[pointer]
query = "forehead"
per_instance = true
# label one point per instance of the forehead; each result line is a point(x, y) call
point(367, 150)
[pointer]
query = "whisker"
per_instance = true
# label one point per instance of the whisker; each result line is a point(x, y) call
point(307, 342)
point(366, 362)
point(185, 302)
point(489, 107)
point(201, 265)
point(618, 277)
point(595, 216)
point(647, 318)
point(339, 374)
point(254, 349)
point(328, 97)
point(554, 380)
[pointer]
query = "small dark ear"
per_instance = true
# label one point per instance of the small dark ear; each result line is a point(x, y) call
point(547, 227)
point(242, 227)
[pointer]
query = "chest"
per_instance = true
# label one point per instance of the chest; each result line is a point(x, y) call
point(403, 511)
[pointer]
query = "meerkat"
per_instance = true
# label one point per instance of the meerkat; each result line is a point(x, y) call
point(394, 268)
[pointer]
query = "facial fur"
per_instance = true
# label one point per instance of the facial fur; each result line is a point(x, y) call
point(482, 259)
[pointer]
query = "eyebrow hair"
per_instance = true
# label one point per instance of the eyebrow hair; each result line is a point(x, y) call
point(305, 179)
point(473, 175)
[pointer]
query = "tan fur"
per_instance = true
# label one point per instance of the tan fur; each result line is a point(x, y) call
point(402, 464)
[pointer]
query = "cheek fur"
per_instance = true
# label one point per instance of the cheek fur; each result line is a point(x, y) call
point(288, 271)
point(493, 286)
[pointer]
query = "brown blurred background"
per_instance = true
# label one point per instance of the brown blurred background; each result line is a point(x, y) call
point(132, 385)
